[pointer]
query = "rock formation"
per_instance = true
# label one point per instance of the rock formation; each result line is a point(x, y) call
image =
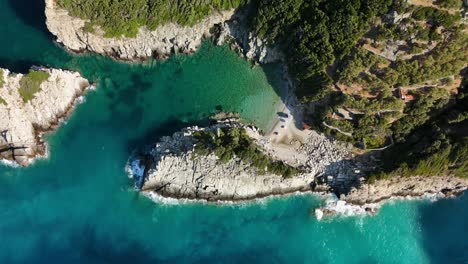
point(171, 169)
point(405, 187)
point(161, 42)
point(367, 198)
point(227, 26)
point(23, 121)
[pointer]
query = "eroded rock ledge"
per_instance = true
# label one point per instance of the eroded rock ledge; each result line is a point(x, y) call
point(26, 113)
point(165, 40)
point(366, 199)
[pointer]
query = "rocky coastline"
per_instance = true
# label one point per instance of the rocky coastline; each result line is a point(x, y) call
point(223, 27)
point(170, 169)
point(23, 122)
point(160, 43)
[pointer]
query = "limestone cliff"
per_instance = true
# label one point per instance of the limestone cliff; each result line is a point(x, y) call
point(30, 107)
point(165, 40)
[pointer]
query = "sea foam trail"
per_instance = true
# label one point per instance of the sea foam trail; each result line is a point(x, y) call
point(335, 207)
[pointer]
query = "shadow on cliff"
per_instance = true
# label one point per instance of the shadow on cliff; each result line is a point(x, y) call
point(276, 74)
point(444, 230)
point(166, 128)
point(17, 66)
point(31, 12)
point(345, 174)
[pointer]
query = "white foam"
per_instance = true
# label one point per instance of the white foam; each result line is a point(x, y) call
point(135, 169)
point(9, 163)
point(157, 198)
point(335, 207)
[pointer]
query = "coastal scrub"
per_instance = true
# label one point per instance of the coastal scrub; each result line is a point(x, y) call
point(125, 17)
point(230, 142)
point(30, 84)
point(2, 82)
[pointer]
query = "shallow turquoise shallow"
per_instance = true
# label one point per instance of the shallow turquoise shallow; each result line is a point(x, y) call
point(80, 207)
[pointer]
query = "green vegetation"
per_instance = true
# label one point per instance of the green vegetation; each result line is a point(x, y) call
point(369, 79)
point(230, 142)
point(2, 82)
point(436, 16)
point(124, 17)
point(315, 33)
point(446, 59)
point(382, 114)
point(454, 4)
point(2, 101)
point(30, 84)
point(439, 147)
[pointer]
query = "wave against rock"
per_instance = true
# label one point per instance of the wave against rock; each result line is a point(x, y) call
point(161, 42)
point(32, 104)
point(171, 168)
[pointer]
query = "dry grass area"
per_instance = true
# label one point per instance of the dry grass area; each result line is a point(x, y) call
point(354, 89)
point(431, 4)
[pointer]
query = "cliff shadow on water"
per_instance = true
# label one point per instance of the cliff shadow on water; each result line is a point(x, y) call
point(444, 235)
point(17, 66)
point(282, 83)
point(31, 12)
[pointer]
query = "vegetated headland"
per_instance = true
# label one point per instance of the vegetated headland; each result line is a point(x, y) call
point(386, 76)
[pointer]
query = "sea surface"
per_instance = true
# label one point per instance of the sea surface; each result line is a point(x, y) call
point(79, 206)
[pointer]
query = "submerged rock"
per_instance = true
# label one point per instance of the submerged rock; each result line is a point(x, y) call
point(31, 105)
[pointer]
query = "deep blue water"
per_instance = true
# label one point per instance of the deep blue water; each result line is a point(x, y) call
point(79, 206)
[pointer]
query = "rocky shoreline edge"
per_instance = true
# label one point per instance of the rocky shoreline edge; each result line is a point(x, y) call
point(32, 107)
point(222, 27)
point(168, 170)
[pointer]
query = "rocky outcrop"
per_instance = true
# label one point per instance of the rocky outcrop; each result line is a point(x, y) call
point(22, 122)
point(236, 32)
point(227, 26)
point(405, 187)
point(171, 169)
point(161, 42)
point(367, 198)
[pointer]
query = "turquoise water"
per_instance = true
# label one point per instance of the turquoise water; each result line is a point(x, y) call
point(80, 207)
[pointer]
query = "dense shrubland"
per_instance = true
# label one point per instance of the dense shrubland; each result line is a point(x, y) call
point(439, 147)
point(2, 82)
point(124, 17)
point(230, 142)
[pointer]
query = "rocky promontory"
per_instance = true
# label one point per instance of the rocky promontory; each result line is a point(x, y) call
point(31, 104)
point(223, 26)
point(172, 168)
point(161, 42)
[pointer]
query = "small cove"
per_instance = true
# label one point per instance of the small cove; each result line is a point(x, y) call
point(78, 206)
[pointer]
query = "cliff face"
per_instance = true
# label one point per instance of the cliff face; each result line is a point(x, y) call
point(172, 169)
point(22, 122)
point(165, 40)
